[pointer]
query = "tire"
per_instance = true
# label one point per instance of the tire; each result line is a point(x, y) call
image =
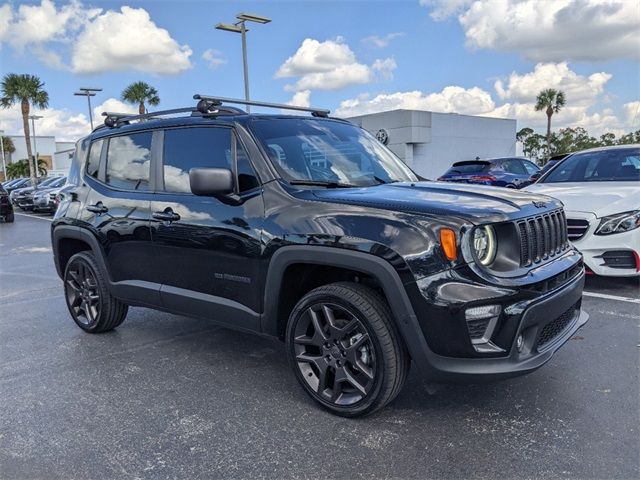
point(90, 303)
point(10, 218)
point(510, 185)
point(343, 333)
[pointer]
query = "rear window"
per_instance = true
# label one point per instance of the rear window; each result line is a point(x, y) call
point(471, 167)
point(619, 165)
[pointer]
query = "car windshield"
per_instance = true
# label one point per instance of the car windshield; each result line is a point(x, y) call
point(615, 165)
point(328, 153)
point(48, 181)
point(469, 167)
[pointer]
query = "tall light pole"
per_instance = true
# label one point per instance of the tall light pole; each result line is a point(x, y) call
point(88, 92)
point(33, 118)
point(239, 27)
point(4, 164)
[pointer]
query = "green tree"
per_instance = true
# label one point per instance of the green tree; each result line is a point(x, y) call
point(569, 140)
point(629, 138)
point(141, 93)
point(26, 90)
point(7, 145)
point(21, 168)
point(550, 101)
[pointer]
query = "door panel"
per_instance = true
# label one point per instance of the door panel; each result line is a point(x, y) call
point(208, 248)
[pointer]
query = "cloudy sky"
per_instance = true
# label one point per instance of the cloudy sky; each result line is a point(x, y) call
point(483, 57)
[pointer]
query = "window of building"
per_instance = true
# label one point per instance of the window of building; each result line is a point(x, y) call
point(129, 161)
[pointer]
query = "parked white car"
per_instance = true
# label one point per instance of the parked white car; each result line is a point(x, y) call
point(600, 189)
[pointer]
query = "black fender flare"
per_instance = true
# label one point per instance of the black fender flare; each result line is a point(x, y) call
point(61, 232)
point(405, 318)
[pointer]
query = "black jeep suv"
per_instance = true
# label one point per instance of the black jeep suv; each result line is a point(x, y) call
point(309, 230)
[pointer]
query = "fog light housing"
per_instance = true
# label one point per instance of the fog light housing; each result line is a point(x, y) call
point(481, 323)
point(520, 343)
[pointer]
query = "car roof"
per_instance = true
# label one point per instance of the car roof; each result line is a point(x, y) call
point(629, 146)
point(197, 119)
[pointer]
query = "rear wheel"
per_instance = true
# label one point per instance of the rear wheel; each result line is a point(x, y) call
point(90, 303)
point(344, 349)
point(10, 218)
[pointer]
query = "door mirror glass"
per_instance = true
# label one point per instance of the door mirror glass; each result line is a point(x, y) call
point(211, 181)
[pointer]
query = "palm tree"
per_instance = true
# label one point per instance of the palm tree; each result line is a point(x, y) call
point(141, 93)
point(551, 101)
point(27, 90)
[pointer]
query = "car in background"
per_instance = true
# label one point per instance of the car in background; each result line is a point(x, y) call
point(46, 200)
point(552, 162)
point(10, 182)
point(24, 196)
point(600, 189)
point(507, 172)
point(17, 193)
point(18, 183)
point(6, 209)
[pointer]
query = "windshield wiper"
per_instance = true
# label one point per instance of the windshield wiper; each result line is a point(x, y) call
point(321, 183)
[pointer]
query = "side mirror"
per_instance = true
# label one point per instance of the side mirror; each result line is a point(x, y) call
point(210, 182)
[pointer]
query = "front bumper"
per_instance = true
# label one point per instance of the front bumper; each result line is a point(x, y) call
point(544, 322)
point(595, 248)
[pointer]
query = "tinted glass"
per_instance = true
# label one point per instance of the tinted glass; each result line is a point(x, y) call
point(471, 167)
point(129, 161)
point(197, 147)
point(93, 162)
point(530, 167)
point(328, 151)
point(60, 181)
point(514, 166)
point(47, 182)
point(616, 165)
point(247, 179)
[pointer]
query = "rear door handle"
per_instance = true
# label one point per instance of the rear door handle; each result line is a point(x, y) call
point(167, 216)
point(98, 208)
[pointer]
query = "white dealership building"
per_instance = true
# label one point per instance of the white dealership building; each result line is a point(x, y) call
point(429, 142)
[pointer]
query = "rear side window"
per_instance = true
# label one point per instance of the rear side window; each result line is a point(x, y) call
point(129, 161)
point(195, 147)
point(514, 166)
point(93, 162)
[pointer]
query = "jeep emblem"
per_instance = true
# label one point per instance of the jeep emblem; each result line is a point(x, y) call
point(539, 204)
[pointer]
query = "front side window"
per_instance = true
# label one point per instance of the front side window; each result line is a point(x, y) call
point(530, 167)
point(316, 150)
point(129, 161)
point(195, 147)
point(616, 165)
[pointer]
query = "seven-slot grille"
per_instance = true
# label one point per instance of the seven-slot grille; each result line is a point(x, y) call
point(542, 236)
point(577, 227)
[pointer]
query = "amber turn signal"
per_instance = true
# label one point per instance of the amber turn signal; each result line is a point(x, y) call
point(448, 243)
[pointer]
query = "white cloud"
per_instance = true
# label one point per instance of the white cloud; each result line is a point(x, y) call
point(212, 58)
point(97, 40)
point(472, 101)
point(585, 98)
point(63, 124)
point(301, 99)
point(128, 40)
point(330, 65)
point(112, 105)
point(555, 30)
point(375, 41)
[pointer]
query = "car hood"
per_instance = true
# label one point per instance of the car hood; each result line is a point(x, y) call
point(475, 203)
point(599, 198)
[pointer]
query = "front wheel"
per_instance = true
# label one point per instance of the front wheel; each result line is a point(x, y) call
point(344, 349)
point(90, 303)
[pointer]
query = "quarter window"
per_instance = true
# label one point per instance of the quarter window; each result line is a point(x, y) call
point(129, 161)
point(195, 147)
point(93, 163)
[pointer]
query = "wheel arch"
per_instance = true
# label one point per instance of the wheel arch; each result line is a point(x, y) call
point(367, 264)
point(67, 240)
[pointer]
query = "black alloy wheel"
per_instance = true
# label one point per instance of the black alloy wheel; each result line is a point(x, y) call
point(81, 289)
point(90, 303)
point(344, 349)
point(334, 353)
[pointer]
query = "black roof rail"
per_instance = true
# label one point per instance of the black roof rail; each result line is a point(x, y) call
point(210, 101)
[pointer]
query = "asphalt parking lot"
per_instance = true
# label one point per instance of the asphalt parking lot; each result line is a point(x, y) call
point(168, 396)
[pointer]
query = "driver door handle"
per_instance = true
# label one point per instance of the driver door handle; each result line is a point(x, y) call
point(98, 208)
point(167, 215)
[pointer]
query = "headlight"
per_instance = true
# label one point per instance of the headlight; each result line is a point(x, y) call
point(484, 244)
point(618, 223)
